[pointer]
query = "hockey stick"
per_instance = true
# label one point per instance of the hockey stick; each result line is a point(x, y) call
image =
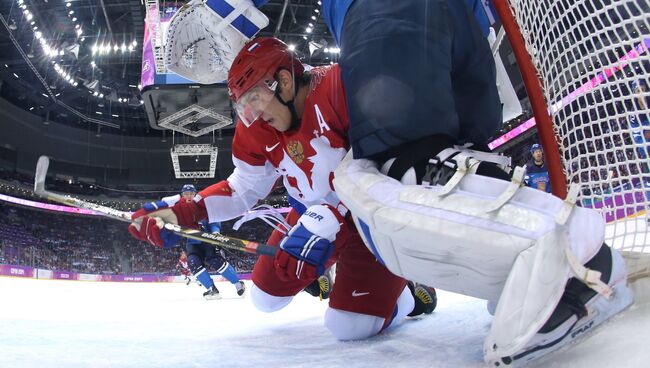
point(214, 239)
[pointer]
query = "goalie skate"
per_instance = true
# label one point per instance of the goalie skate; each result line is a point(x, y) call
point(581, 320)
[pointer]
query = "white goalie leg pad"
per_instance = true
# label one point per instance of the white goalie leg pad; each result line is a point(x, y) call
point(266, 302)
point(599, 309)
point(204, 37)
point(476, 236)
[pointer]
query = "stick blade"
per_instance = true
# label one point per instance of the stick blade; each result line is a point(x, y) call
point(41, 172)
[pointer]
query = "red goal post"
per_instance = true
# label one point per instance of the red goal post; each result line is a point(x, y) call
point(586, 68)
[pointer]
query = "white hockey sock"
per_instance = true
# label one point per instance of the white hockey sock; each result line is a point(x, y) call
point(266, 302)
point(346, 325)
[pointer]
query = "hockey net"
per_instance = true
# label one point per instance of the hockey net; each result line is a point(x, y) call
point(591, 59)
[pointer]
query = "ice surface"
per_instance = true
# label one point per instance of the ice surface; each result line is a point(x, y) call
point(46, 323)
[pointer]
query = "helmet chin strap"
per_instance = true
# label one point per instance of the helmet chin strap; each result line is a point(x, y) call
point(295, 120)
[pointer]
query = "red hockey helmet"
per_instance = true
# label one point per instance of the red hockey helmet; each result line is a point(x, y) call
point(255, 66)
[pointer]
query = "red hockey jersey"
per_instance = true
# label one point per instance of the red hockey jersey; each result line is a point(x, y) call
point(182, 267)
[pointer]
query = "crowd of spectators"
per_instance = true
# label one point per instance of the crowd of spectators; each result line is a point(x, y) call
point(608, 139)
point(123, 198)
point(91, 244)
point(605, 142)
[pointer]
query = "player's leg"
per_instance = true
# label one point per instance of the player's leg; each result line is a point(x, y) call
point(346, 325)
point(195, 257)
point(217, 263)
point(268, 292)
point(366, 298)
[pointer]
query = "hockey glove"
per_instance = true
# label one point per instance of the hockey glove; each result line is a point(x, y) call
point(305, 252)
point(150, 229)
point(148, 225)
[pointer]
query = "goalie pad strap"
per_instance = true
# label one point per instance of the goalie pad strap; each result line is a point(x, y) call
point(464, 164)
point(515, 184)
point(569, 203)
point(589, 277)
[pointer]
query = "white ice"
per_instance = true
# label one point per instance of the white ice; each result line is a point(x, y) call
point(70, 324)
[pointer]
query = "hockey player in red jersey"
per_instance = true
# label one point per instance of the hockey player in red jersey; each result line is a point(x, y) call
point(183, 268)
point(294, 125)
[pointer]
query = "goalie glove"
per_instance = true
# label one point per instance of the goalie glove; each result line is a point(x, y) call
point(307, 249)
point(204, 36)
point(148, 222)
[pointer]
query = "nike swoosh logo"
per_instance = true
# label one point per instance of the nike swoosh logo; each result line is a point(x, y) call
point(356, 293)
point(269, 149)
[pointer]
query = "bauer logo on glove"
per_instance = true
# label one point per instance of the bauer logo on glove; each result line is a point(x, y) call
point(307, 249)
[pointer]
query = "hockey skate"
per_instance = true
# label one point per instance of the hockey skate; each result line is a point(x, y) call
point(241, 288)
point(580, 310)
point(313, 289)
point(321, 287)
point(212, 294)
point(324, 286)
point(425, 299)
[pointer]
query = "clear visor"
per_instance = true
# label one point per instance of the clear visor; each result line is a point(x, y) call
point(253, 103)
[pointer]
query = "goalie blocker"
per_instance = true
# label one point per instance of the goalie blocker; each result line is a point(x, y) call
point(495, 240)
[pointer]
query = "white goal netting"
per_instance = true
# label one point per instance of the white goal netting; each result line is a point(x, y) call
point(592, 59)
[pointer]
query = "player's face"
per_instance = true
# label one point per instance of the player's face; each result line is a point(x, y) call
point(255, 102)
point(538, 155)
point(277, 116)
point(260, 102)
point(188, 196)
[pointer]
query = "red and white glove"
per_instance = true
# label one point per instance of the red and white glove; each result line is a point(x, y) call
point(146, 228)
point(147, 225)
point(306, 252)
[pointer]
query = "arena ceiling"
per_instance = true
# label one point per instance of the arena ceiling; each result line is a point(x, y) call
point(48, 48)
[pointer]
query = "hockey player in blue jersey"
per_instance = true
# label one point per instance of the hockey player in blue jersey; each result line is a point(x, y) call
point(536, 171)
point(201, 256)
